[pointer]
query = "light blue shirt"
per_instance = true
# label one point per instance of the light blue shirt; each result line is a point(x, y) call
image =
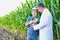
point(31, 33)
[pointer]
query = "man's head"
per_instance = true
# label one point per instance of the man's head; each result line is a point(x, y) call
point(34, 13)
point(40, 7)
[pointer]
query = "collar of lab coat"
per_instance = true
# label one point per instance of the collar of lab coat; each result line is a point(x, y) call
point(44, 10)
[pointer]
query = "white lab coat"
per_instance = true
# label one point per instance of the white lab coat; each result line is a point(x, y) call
point(45, 26)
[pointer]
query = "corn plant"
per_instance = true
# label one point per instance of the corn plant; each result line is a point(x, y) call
point(16, 19)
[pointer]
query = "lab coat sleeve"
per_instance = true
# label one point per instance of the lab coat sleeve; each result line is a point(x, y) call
point(43, 22)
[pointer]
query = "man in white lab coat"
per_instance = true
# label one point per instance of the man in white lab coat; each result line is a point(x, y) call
point(45, 25)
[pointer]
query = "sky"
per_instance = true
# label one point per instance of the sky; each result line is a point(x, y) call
point(7, 6)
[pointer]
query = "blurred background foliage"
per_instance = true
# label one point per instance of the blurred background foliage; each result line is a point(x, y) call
point(16, 19)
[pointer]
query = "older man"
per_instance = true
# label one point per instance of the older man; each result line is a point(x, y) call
point(45, 25)
point(31, 34)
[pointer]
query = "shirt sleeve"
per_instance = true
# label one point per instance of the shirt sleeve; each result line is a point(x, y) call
point(43, 22)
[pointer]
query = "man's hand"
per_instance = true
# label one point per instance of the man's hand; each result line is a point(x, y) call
point(32, 25)
point(26, 24)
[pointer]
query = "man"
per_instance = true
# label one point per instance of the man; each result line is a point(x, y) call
point(31, 34)
point(45, 25)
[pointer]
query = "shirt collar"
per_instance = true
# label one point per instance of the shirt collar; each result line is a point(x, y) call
point(44, 10)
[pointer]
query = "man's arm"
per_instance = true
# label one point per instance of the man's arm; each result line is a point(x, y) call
point(43, 22)
point(27, 23)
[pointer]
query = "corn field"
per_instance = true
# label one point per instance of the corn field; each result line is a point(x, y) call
point(16, 19)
